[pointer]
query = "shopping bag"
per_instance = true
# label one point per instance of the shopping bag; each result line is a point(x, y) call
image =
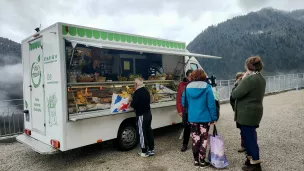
point(120, 103)
point(217, 155)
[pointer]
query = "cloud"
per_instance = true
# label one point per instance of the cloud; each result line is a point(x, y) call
point(253, 4)
point(248, 5)
point(170, 19)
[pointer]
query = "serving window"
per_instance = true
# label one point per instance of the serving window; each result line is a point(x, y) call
point(98, 78)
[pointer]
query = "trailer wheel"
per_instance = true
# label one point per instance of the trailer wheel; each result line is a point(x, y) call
point(127, 138)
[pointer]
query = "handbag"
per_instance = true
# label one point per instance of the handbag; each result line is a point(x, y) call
point(216, 154)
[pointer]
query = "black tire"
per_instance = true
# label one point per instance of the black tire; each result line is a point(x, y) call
point(127, 138)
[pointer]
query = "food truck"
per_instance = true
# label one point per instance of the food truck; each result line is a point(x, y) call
point(77, 82)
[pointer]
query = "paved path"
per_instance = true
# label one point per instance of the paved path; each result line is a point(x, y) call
point(280, 135)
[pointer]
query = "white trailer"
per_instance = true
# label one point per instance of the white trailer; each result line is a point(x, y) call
point(49, 126)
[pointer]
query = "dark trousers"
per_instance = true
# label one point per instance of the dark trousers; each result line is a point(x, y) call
point(187, 131)
point(249, 136)
point(145, 131)
point(242, 140)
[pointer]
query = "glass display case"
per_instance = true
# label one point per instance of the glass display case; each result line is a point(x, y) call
point(92, 96)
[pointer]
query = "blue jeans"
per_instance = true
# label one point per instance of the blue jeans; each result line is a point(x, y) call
point(250, 141)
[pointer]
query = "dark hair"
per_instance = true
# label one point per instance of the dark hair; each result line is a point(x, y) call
point(189, 72)
point(238, 75)
point(254, 63)
point(198, 75)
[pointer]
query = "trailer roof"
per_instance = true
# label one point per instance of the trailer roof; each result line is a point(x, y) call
point(130, 47)
point(125, 41)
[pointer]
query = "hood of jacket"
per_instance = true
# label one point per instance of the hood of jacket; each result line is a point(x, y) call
point(196, 88)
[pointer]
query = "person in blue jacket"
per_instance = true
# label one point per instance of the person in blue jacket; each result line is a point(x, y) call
point(199, 101)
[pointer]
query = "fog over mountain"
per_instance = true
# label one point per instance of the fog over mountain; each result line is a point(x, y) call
point(10, 70)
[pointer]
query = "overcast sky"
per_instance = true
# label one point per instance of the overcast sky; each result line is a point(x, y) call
point(170, 19)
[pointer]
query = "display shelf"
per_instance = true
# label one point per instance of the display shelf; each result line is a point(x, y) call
point(106, 112)
point(103, 92)
point(117, 82)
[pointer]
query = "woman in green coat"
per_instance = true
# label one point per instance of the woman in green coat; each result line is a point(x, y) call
point(249, 96)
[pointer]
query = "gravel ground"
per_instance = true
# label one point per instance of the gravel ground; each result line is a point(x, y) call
point(280, 138)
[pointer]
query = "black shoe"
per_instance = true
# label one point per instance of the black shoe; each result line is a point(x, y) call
point(184, 148)
point(204, 164)
point(247, 162)
point(252, 167)
point(196, 164)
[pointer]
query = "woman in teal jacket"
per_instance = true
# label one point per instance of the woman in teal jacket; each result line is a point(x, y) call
point(200, 100)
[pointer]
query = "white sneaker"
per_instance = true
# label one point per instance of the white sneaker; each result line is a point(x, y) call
point(143, 154)
point(151, 153)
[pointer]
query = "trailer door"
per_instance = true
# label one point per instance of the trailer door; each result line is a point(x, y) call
point(37, 86)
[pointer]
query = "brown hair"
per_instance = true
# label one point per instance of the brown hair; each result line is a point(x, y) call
point(198, 75)
point(238, 75)
point(254, 63)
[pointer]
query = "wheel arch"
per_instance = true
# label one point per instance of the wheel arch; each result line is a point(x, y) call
point(131, 120)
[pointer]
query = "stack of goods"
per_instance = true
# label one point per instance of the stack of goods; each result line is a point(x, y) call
point(161, 76)
point(85, 78)
point(120, 78)
point(73, 77)
point(133, 76)
point(169, 76)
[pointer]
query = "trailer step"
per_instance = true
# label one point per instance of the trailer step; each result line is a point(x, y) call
point(36, 145)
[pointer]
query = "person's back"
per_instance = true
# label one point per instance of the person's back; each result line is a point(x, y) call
point(201, 102)
point(141, 101)
point(249, 96)
point(250, 93)
point(141, 104)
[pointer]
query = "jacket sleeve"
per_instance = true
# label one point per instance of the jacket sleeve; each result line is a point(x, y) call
point(232, 100)
point(179, 105)
point(243, 88)
point(183, 98)
point(211, 104)
point(134, 100)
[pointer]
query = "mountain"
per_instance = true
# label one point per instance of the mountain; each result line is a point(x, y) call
point(10, 70)
point(10, 52)
point(277, 36)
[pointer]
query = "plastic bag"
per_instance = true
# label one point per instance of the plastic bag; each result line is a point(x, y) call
point(120, 103)
point(217, 155)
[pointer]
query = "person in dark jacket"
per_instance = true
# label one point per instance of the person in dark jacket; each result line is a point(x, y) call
point(238, 78)
point(201, 113)
point(249, 96)
point(141, 104)
point(180, 109)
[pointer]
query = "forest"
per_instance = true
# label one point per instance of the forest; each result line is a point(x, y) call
point(274, 35)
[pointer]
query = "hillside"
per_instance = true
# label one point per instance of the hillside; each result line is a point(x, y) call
point(277, 36)
point(10, 52)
